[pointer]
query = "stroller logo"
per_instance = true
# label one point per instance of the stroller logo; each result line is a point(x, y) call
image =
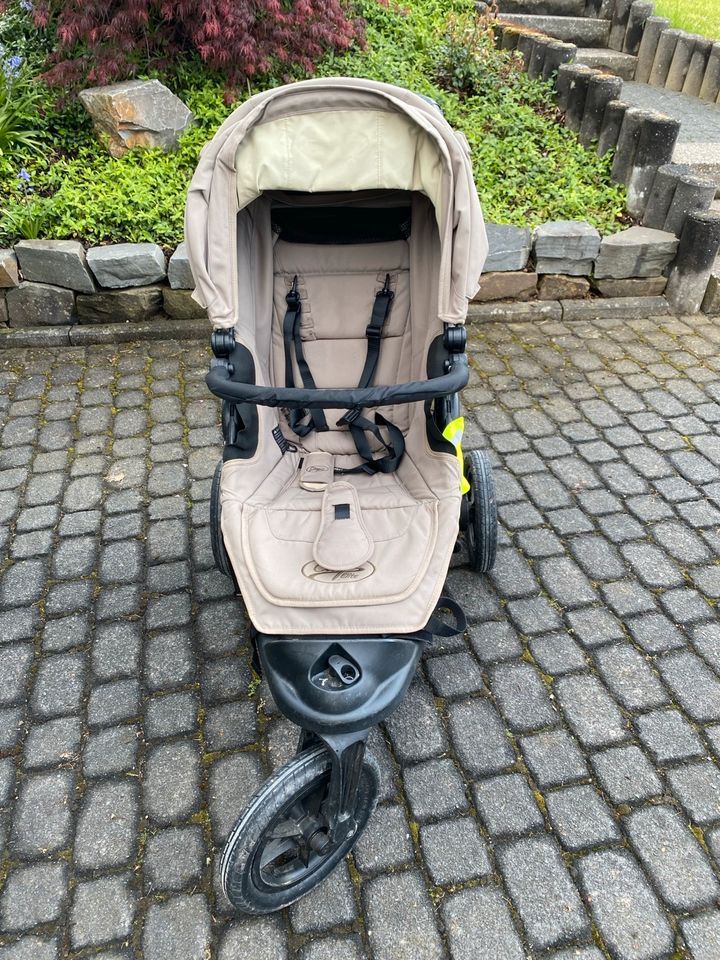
point(313, 571)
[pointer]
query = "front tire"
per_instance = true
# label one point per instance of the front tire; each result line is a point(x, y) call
point(265, 865)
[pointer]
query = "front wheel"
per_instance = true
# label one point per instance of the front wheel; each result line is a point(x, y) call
point(279, 850)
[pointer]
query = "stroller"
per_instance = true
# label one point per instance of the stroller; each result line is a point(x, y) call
point(335, 237)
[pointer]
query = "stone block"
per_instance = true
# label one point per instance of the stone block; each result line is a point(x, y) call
point(179, 272)
point(121, 265)
point(509, 247)
point(136, 113)
point(120, 306)
point(39, 305)
point(511, 285)
point(60, 262)
point(566, 240)
point(635, 287)
point(559, 287)
point(180, 305)
point(8, 268)
point(568, 267)
point(635, 252)
point(3, 311)
point(711, 303)
point(610, 61)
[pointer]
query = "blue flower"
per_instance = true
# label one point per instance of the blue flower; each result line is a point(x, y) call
point(26, 5)
point(23, 175)
point(12, 66)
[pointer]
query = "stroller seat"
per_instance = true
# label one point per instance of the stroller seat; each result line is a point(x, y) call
point(279, 532)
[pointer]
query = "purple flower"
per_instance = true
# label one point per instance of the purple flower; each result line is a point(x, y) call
point(26, 5)
point(23, 175)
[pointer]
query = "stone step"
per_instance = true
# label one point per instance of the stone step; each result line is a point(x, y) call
point(699, 140)
point(552, 8)
point(582, 31)
point(611, 61)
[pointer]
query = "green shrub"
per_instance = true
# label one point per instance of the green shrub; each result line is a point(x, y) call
point(528, 168)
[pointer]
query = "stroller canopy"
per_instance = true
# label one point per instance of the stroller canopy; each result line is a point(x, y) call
point(321, 136)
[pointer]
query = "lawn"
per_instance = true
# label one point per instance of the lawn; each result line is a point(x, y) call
point(696, 16)
point(528, 167)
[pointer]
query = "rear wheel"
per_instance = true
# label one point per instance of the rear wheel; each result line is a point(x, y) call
point(222, 560)
point(481, 533)
point(279, 849)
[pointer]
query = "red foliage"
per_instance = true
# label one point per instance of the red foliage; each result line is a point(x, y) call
point(99, 41)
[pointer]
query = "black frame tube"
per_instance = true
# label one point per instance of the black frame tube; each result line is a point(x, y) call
point(220, 382)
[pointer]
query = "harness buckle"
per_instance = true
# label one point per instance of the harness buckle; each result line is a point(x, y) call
point(348, 418)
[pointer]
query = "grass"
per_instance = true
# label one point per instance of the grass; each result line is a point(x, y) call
point(695, 16)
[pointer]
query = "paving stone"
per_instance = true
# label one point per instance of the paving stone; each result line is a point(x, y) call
point(102, 911)
point(668, 737)
point(590, 711)
point(390, 900)
point(630, 677)
point(543, 892)
point(599, 559)
point(454, 675)
point(261, 938)
point(169, 660)
point(233, 780)
point(702, 935)
point(454, 852)
point(333, 948)
point(697, 787)
point(172, 782)
point(553, 758)
point(30, 948)
point(594, 627)
point(626, 775)
point(113, 702)
point(386, 843)
point(479, 738)
point(329, 905)
point(173, 859)
point(624, 907)
point(494, 641)
point(53, 743)
point(506, 806)
point(534, 616)
point(116, 650)
point(557, 653)
point(33, 895)
point(106, 833)
point(170, 715)
point(415, 729)
point(580, 818)
point(15, 663)
point(655, 633)
point(673, 858)
point(434, 789)
point(522, 697)
point(693, 683)
point(110, 751)
point(43, 816)
point(179, 927)
point(230, 725)
point(479, 926)
point(17, 625)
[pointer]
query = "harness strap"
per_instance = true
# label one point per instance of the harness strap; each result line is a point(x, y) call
point(292, 338)
point(373, 331)
point(441, 628)
point(395, 444)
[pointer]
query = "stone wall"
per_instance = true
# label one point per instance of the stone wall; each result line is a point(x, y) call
point(63, 293)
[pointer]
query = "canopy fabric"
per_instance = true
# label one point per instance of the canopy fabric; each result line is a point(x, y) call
point(330, 135)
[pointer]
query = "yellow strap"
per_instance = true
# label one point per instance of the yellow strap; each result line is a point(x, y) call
point(454, 433)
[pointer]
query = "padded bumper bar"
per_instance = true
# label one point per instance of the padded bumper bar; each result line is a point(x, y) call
point(220, 383)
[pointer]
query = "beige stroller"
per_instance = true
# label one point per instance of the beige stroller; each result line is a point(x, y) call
point(335, 237)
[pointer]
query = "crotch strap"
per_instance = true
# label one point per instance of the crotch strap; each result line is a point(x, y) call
point(343, 542)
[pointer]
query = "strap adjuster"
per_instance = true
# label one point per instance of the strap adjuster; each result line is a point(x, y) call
point(348, 418)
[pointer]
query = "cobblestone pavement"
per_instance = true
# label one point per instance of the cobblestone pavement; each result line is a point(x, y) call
point(551, 785)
